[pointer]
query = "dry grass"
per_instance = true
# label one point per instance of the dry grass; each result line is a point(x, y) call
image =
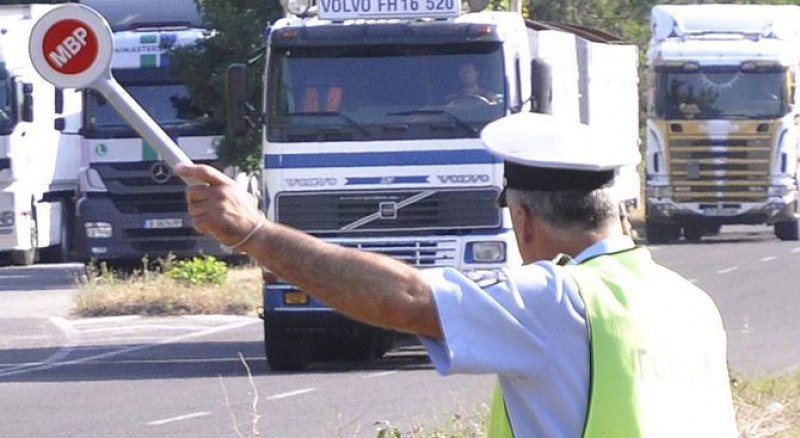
point(768, 406)
point(150, 293)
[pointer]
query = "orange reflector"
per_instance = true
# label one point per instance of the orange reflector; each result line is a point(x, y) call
point(295, 297)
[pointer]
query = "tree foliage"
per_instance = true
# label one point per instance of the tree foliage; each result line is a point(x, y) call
point(237, 38)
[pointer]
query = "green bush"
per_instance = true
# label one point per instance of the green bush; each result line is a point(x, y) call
point(199, 270)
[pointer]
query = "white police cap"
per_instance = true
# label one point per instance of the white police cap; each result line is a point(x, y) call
point(542, 152)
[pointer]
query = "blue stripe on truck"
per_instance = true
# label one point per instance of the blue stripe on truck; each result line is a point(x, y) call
point(374, 159)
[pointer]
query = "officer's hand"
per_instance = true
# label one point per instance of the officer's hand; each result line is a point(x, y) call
point(219, 208)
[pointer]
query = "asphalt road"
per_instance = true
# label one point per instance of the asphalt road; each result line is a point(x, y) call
point(139, 377)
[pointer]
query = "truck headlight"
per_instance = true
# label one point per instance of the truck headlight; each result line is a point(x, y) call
point(493, 251)
point(98, 230)
point(777, 191)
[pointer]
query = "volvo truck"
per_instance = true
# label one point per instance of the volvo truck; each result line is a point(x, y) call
point(371, 139)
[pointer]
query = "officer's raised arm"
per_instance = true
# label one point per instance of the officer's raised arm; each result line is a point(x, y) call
point(368, 287)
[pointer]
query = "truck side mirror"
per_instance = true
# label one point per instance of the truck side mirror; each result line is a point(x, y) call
point(541, 86)
point(236, 99)
point(27, 102)
point(59, 101)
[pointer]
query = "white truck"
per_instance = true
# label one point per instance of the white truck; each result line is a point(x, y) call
point(722, 128)
point(371, 140)
point(129, 204)
point(39, 148)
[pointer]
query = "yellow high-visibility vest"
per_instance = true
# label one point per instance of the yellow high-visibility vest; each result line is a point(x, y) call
point(658, 365)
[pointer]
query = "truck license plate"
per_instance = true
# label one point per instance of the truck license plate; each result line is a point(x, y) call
point(721, 212)
point(163, 223)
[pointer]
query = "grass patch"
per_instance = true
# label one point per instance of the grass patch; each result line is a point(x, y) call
point(202, 286)
point(768, 406)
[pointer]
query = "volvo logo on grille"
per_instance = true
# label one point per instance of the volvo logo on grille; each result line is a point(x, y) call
point(463, 179)
point(160, 172)
point(388, 210)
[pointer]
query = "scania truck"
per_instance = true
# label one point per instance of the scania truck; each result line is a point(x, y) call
point(722, 128)
point(371, 129)
point(129, 203)
point(39, 149)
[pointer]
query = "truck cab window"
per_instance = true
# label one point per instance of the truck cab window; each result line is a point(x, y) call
point(369, 93)
point(166, 100)
point(712, 93)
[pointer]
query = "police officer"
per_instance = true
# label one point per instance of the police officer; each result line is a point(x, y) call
point(589, 337)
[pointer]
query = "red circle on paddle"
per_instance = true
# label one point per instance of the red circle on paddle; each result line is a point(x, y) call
point(70, 47)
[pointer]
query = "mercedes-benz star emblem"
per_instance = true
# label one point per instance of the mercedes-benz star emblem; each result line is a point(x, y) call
point(160, 172)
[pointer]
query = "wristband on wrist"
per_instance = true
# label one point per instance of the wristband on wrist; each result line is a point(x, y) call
point(260, 223)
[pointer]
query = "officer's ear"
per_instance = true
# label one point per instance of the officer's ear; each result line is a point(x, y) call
point(524, 221)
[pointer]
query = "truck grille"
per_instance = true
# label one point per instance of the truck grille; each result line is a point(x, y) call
point(133, 189)
point(420, 253)
point(707, 170)
point(404, 210)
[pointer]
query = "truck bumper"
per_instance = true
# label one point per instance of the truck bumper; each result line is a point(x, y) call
point(136, 235)
point(724, 213)
point(322, 323)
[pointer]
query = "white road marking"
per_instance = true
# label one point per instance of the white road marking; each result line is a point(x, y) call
point(104, 320)
point(727, 270)
point(53, 361)
point(178, 418)
point(62, 352)
point(291, 393)
point(381, 374)
point(693, 280)
point(131, 328)
point(768, 259)
point(796, 250)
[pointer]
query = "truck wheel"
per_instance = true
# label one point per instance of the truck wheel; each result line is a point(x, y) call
point(362, 348)
point(287, 352)
point(27, 257)
point(661, 233)
point(693, 233)
point(788, 230)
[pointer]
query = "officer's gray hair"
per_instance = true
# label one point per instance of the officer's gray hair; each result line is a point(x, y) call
point(569, 210)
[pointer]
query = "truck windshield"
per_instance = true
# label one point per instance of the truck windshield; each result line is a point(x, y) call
point(167, 101)
point(721, 93)
point(376, 92)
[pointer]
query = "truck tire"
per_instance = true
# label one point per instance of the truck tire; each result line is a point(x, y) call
point(661, 233)
point(287, 352)
point(693, 233)
point(788, 230)
point(27, 257)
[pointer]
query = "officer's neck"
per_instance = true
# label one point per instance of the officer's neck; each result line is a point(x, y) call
point(551, 243)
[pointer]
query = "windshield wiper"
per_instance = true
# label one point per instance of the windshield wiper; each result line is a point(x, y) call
point(441, 112)
point(336, 114)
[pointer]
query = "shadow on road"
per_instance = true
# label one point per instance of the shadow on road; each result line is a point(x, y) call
point(40, 277)
point(172, 361)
